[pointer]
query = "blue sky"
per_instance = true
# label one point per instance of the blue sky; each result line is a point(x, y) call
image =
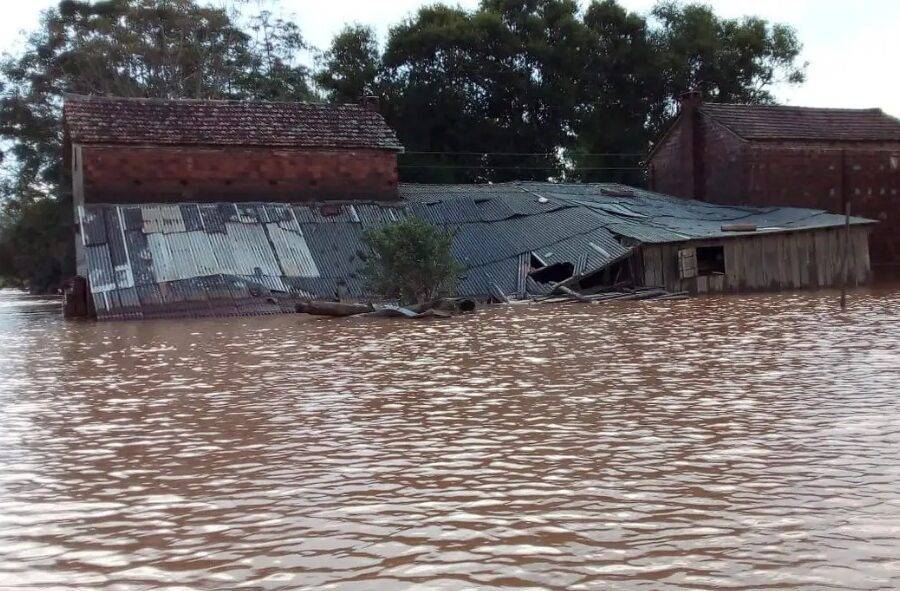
point(852, 46)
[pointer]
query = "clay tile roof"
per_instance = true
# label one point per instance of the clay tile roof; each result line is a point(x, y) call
point(773, 122)
point(96, 120)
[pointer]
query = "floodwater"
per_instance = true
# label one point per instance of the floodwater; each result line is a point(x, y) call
point(715, 443)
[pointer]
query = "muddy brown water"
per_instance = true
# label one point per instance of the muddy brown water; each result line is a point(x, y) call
point(719, 443)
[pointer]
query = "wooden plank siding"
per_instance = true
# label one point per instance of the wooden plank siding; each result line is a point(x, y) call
point(765, 262)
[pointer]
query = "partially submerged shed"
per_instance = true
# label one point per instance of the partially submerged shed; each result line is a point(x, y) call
point(515, 240)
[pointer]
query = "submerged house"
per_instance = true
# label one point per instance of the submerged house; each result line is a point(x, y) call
point(770, 155)
point(167, 227)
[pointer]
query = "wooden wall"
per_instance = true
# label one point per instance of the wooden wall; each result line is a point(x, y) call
point(765, 262)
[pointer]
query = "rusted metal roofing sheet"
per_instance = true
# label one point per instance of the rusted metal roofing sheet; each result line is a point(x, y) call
point(160, 260)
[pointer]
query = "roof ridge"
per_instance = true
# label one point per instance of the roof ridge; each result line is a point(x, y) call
point(767, 122)
point(76, 97)
point(794, 107)
point(154, 120)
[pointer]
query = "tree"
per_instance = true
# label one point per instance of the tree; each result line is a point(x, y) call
point(36, 243)
point(411, 261)
point(726, 60)
point(620, 90)
point(350, 68)
point(276, 72)
point(486, 93)
point(131, 48)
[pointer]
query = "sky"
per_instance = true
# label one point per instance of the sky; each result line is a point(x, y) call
point(852, 46)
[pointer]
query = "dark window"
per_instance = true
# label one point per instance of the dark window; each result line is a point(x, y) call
point(710, 260)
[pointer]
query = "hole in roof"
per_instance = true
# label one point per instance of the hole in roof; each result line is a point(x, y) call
point(614, 275)
point(554, 273)
point(331, 209)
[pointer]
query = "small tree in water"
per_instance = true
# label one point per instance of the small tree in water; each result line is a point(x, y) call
point(411, 261)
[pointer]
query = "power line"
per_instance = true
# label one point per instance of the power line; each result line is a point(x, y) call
point(487, 166)
point(548, 154)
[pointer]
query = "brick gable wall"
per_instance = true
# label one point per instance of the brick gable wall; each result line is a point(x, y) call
point(130, 174)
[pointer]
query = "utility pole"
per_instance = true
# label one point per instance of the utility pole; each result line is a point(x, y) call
point(845, 197)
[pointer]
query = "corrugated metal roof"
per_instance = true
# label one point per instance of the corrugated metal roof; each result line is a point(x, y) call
point(155, 260)
point(656, 218)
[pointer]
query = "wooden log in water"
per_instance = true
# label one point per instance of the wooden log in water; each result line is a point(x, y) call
point(571, 293)
point(671, 297)
point(337, 309)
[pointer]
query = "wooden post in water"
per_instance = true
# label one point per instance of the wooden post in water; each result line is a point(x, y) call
point(845, 251)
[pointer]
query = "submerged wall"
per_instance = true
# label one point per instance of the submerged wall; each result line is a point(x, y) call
point(786, 260)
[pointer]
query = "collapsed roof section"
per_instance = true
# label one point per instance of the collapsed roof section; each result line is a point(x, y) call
point(162, 260)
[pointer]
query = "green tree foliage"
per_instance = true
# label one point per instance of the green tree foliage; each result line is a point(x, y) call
point(36, 243)
point(132, 48)
point(412, 261)
point(494, 83)
point(531, 89)
point(351, 66)
point(275, 72)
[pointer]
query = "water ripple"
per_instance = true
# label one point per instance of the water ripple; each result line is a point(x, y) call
point(720, 443)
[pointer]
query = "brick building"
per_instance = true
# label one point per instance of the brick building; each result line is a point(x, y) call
point(768, 155)
point(169, 151)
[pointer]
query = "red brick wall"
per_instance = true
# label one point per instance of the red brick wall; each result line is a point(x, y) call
point(719, 164)
point(671, 163)
point(809, 175)
point(123, 174)
point(723, 177)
